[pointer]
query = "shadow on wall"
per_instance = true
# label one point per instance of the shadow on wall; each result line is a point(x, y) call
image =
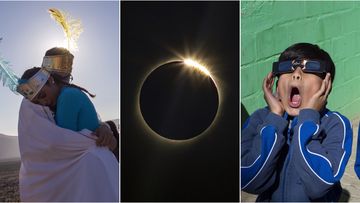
point(244, 114)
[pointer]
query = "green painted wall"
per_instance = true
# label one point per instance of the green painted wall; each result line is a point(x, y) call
point(267, 28)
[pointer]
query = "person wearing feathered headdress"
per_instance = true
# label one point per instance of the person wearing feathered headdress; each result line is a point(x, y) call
point(60, 164)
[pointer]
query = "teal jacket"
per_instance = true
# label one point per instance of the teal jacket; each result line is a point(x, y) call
point(75, 111)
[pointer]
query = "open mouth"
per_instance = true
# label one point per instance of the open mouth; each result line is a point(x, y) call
point(295, 98)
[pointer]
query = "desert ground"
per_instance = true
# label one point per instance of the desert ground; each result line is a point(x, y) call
point(9, 181)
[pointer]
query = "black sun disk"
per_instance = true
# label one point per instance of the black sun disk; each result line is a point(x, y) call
point(178, 101)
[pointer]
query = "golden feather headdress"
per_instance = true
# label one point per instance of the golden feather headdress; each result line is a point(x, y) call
point(72, 27)
point(58, 63)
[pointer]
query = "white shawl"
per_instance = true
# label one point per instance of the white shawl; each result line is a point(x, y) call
point(58, 164)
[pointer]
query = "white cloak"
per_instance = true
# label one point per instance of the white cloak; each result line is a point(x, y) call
point(58, 164)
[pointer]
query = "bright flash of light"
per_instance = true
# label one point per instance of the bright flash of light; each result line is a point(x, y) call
point(197, 65)
point(70, 45)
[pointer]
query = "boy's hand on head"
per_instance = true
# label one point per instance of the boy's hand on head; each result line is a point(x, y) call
point(319, 99)
point(272, 101)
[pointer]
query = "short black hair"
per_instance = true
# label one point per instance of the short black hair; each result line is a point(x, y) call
point(308, 51)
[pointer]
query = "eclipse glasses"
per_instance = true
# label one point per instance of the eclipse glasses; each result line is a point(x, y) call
point(308, 66)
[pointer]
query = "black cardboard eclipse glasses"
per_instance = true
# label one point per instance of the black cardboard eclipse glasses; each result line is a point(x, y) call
point(308, 66)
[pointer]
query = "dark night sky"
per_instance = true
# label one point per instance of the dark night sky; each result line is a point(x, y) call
point(207, 167)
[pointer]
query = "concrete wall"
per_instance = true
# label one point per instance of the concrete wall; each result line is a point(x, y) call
point(267, 28)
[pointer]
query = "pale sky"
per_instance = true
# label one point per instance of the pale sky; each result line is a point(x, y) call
point(28, 31)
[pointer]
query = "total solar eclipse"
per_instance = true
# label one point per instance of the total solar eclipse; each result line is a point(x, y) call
point(179, 100)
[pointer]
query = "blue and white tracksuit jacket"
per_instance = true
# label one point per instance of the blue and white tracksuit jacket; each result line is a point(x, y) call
point(357, 160)
point(299, 159)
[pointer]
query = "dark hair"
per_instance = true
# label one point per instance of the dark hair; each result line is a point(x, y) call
point(308, 51)
point(58, 51)
point(57, 78)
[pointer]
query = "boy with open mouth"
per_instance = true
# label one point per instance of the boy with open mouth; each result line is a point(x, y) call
point(296, 149)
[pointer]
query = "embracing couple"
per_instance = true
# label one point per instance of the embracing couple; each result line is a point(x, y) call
point(67, 153)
